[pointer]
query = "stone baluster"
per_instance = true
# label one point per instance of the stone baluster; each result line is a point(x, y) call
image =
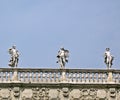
point(48, 77)
point(26, 76)
point(99, 78)
point(69, 77)
point(8, 76)
point(44, 77)
point(52, 77)
point(39, 76)
point(74, 77)
point(34, 77)
point(4, 76)
point(116, 77)
point(87, 77)
point(83, 77)
point(77, 77)
point(91, 77)
point(37, 80)
point(30, 76)
point(95, 77)
point(103, 77)
point(80, 78)
point(23, 76)
point(56, 77)
point(37, 73)
point(0, 77)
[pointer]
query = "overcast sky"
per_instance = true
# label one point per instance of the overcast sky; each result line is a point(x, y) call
point(40, 27)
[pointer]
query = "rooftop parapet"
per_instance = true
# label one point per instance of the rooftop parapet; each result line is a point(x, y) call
point(78, 76)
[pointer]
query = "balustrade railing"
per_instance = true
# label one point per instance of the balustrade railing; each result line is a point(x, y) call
point(79, 76)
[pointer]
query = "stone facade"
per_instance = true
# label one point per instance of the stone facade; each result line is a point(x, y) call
point(49, 84)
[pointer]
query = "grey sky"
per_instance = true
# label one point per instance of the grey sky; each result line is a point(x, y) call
point(40, 27)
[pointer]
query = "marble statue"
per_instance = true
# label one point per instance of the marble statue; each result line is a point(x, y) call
point(108, 58)
point(14, 56)
point(62, 57)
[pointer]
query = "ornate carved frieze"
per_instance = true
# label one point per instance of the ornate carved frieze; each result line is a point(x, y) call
point(64, 93)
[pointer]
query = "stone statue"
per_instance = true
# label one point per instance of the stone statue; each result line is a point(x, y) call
point(14, 56)
point(62, 57)
point(108, 58)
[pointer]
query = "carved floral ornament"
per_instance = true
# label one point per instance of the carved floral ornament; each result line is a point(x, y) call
point(40, 94)
point(5, 94)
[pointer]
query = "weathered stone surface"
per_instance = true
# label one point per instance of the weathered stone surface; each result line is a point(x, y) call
point(101, 94)
point(59, 84)
point(27, 94)
point(5, 94)
point(75, 94)
point(54, 94)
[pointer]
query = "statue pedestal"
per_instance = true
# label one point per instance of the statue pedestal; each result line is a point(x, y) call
point(110, 79)
point(63, 75)
point(15, 75)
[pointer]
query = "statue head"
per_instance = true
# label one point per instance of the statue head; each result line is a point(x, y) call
point(14, 46)
point(107, 49)
point(62, 48)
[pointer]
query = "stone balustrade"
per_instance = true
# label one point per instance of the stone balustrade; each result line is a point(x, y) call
point(59, 84)
point(79, 76)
